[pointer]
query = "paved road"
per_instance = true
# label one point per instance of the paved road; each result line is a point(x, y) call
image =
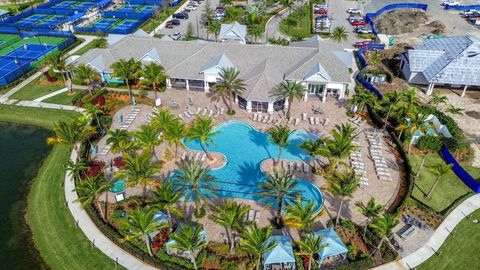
point(438, 238)
point(195, 18)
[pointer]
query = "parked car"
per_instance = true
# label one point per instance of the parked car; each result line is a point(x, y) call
point(450, 3)
point(181, 15)
point(176, 36)
point(355, 18)
point(468, 12)
point(320, 11)
point(194, 3)
point(363, 30)
point(169, 24)
point(320, 6)
point(354, 11)
point(192, 8)
point(358, 23)
point(361, 44)
point(175, 22)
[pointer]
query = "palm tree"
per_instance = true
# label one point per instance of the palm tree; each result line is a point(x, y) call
point(254, 241)
point(174, 134)
point(438, 170)
point(290, 90)
point(88, 76)
point(127, 70)
point(339, 34)
point(56, 61)
point(342, 185)
point(392, 100)
point(203, 131)
point(140, 224)
point(410, 97)
point(255, 31)
point(311, 147)
point(383, 226)
point(198, 184)
point(75, 168)
point(166, 196)
point(189, 238)
point(120, 141)
point(454, 110)
point(139, 170)
point(90, 189)
point(301, 215)
point(214, 28)
point(229, 83)
point(71, 133)
point(154, 74)
point(279, 135)
point(231, 216)
point(280, 188)
point(417, 123)
point(147, 137)
point(437, 99)
point(94, 111)
point(336, 149)
point(364, 98)
point(346, 130)
point(370, 210)
point(162, 119)
point(309, 246)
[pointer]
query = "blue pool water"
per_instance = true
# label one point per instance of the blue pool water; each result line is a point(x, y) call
point(245, 148)
point(118, 186)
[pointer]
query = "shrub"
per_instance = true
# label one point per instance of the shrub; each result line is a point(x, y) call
point(299, 262)
point(430, 143)
point(182, 262)
point(352, 252)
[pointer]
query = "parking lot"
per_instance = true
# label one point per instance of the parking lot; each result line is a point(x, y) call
point(195, 18)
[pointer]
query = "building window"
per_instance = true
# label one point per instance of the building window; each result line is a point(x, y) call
point(242, 103)
point(258, 106)
point(315, 89)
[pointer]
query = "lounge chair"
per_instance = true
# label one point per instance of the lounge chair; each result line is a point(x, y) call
point(257, 217)
point(198, 156)
point(251, 215)
point(311, 120)
point(204, 112)
point(184, 155)
point(198, 110)
point(270, 120)
point(297, 121)
point(181, 116)
point(306, 168)
point(326, 121)
point(265, 120)
point(304, 116)
point(210, 113)
point(222, 110)
point(204, 157)
point(317, 121)
point(216, 114)
point(187, 114)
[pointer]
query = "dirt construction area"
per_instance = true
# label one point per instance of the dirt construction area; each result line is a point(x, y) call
point(413, 30)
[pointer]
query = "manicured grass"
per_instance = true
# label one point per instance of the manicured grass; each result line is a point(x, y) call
point(96, 43)
point(459, 251)
point(64, 98)
point(37, 88)
point(61, 244)
point(298, 24)
point(449, 187)
point(34, 116)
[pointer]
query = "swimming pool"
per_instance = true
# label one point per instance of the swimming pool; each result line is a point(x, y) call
point(118, 186)
point(245, 148)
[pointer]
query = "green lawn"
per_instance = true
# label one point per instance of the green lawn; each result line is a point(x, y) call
point(297, 24)
point(64, 98)
point(61, 244)
point(459, 251)
point(36, 89)
point(449, 187)
point(96, 43)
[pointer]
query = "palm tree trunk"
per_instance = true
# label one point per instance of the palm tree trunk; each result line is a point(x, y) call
point(144, 193)
point(149, 248)
point(280, 205)
point(129, 90)
point(279, 156)
point(65, 82)
point(379, 246)
point(259, 260)
point(433, 187)
point(106, 207)
point(365, 227)
point(230, 96)
point(421, 166)
point(230, 240)
point(206, 151)
point(309, 262)
point(409, 147)
point(290, 100)
point(193, 260)
point(154, 154)
point(388, 113)
point(169, 215)
point(155, 90)
point(176, 150)
point(339, 212)
point(89, 89)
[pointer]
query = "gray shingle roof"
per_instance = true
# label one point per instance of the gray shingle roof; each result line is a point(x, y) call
point(261, 66)
point(449, 60)
point(234, 30)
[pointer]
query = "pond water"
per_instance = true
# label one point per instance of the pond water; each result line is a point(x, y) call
point(22, 149)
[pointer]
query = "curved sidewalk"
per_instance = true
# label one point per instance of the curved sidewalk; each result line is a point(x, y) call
point(95, 236)
point(438, 238)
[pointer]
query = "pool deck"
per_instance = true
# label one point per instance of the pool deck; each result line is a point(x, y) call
point(383, 191)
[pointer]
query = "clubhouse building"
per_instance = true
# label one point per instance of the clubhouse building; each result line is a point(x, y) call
point(194, 66)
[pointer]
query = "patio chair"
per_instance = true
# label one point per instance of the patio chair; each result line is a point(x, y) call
point(184, 155)
point(180, 116)
point(216, 114)
point(253, 116)
point(304, 116)
point(265, 120)
point(297, 121)
point(270, 120)
point(197, 156)
point(222, 110)
point(210, 113)
point(326, 121)
point(204, 157)
point(198, 110)
point(306, 168)
point(257, 217)
point(311, 120)
point(317, 121)
point(251, 214)
point(204, 111)
point(187, 114)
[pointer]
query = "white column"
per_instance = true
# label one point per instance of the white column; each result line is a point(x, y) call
point(430, 89)
point(324, 97)
point(270, 108)
point(169, 83)
point(205, 86)
point(342, 93)
point(249, 106)
point(464, 90)
point(236, 98)
point(305, 97)
point(187, 86)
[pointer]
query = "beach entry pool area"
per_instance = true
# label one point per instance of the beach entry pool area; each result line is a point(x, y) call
point(245, 149)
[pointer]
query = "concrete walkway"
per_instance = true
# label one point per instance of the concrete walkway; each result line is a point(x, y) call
point(438, 238)
point(100, 241)
point(63, 90)
point(36, 104)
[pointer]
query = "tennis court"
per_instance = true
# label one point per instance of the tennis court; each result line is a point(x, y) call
point(125, 24)
point(65, 4)
point(105, 23)
point(8, 39)
point(136, 8)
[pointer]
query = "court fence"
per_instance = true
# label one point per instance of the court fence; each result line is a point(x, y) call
point(152, 2)
point(474, 7)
